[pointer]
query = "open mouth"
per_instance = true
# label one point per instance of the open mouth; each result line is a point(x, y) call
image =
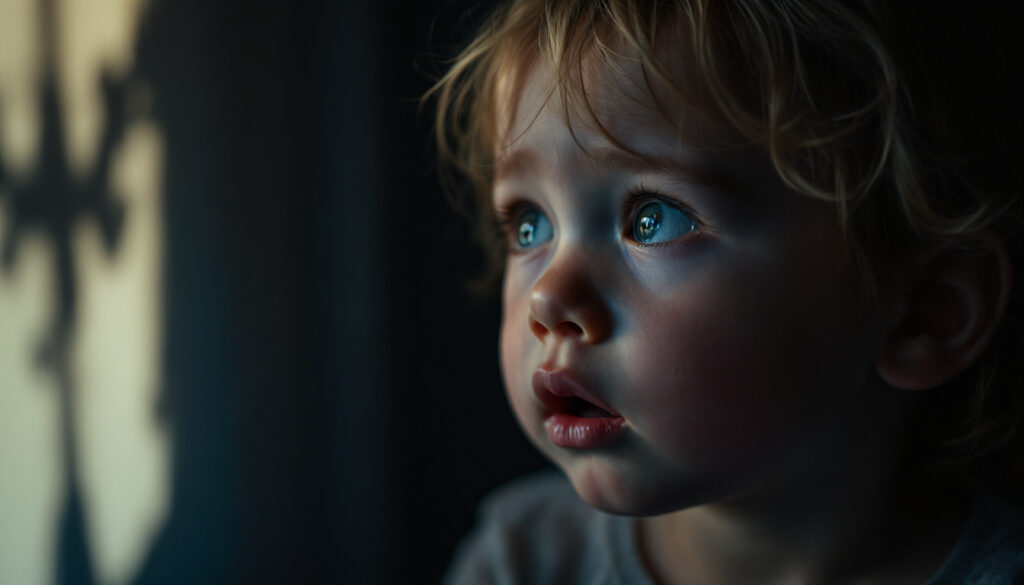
point(574, 417)
point(560, 393)
point(575, 406)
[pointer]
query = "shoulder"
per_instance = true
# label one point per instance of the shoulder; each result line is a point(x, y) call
point(537, 530)
point(991, 548)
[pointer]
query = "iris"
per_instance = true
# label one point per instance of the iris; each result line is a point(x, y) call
point(659, 222)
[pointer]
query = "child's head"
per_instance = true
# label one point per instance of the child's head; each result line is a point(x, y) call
point(739, 234)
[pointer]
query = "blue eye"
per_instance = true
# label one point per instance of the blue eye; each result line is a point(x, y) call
point(532, 229)
point(659, 222)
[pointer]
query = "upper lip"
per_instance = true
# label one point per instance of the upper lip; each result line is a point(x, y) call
point(554, 387)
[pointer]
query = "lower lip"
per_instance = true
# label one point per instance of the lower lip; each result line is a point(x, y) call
point(576, 432)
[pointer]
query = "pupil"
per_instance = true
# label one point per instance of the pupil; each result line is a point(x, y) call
point(526, 230)
point(649, 223)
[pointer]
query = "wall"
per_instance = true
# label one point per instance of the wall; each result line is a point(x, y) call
point(235, 344)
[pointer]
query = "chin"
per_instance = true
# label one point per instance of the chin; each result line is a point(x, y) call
point(602, 485)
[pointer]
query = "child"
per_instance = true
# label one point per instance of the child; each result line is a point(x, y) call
point(761, 288)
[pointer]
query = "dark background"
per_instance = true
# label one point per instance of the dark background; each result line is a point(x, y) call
point(331, 387)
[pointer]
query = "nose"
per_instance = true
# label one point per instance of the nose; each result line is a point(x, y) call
point(566, 302)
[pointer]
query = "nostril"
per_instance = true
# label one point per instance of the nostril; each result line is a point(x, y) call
point(563, 329)
point(539, 330)
point(569, 329)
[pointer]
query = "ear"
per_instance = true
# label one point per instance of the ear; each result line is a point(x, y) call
point(951, 311)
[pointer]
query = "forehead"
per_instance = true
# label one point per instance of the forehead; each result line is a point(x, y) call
point(611, 98)
point(616, 110)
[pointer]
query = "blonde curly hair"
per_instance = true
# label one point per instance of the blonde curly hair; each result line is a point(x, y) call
point(902, 116)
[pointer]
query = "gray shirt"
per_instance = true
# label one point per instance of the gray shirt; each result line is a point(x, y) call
point(536, 530)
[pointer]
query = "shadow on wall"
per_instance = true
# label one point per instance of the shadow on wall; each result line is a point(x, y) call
point(235, 346)
point(120, 455)
point(159, 353)
point(84, 455)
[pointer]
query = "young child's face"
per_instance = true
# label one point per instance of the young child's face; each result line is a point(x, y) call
point(703, 315)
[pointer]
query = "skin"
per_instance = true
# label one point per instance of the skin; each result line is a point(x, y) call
point(760, 445)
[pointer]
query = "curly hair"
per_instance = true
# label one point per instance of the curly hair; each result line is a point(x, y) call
point(902, 116)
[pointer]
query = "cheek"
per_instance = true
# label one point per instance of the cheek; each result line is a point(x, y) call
point(742, 370)
point(708, 385)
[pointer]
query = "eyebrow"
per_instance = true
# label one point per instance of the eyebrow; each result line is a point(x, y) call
point(696, 172)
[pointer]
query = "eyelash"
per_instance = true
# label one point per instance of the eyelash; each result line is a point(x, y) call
point(508, 215)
